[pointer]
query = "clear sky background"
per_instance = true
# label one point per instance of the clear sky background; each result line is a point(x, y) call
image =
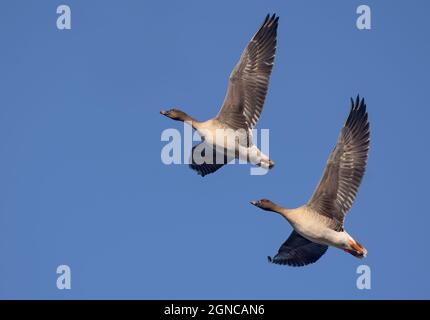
point(82, 183)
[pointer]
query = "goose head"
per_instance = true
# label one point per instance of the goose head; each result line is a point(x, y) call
point(175, 114)
point(265, 204)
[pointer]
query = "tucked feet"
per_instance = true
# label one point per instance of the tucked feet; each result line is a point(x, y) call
point(356, 249)
point(266, 164)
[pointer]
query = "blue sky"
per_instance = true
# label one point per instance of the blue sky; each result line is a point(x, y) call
point(81, 178)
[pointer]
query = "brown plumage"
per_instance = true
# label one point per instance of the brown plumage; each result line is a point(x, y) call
point(249, 80)
point(243, 102)
point(319, 223)
point(345, 168)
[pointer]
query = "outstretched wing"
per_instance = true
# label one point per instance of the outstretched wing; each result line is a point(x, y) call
point(345, 168)
point(249, 79)
point(297, 251)
point(205, 164)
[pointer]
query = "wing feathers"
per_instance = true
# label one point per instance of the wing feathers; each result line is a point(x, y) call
point(203, 164)
point(249, 79)
point(345, 168)
point(298, 251)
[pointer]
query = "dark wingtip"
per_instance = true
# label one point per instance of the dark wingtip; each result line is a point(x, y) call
point(269, 259)
point(358, 113)
point(358, 103)
point(194, 168)
point(274, 19)
point(271, 20)
point(363, 104)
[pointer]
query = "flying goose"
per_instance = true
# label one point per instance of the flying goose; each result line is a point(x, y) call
point(241, 109)
point(319, 223)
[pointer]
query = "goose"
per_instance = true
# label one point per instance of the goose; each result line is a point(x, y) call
point(319, 223)
point(229, 135)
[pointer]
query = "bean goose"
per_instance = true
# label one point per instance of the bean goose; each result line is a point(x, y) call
point(319, 223)
point(229, 134)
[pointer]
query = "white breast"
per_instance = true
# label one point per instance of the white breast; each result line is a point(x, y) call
point(308, 226)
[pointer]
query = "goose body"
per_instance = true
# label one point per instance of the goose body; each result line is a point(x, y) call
point(229, 134)
point(237, 143)
point(319, 223)
point(309, 224)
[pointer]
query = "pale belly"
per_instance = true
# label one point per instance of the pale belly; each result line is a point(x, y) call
point(323, 238)
point(319, 234)
point(235, 144)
